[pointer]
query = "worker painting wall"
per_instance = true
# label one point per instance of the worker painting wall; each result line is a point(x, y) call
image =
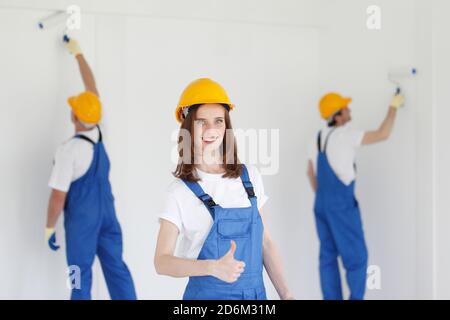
point(355, 61)
point(401, 185)
point(275, 58)
point(37, 120)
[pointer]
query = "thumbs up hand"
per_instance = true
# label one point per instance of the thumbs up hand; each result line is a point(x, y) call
point(227, 268)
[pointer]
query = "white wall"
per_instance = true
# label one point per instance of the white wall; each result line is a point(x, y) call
point(276, 58)
point(441, 98)
point(424, 135)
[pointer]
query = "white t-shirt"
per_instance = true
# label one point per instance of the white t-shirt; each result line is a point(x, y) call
point(341, 151)
point(72, 160)
point(189, 214)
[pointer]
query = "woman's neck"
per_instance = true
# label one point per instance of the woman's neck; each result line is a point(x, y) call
point(211, 168)
point(210, 162)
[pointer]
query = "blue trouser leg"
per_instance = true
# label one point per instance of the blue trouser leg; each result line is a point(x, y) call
point(349, 237)
point(328, 261)
point(118, 277)
point(81, 253)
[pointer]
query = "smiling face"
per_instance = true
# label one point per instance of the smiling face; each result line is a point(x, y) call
point(206, 139)
point(209, 127)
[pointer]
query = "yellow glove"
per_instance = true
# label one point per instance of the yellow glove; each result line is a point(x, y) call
point(73, 47)
point(48, 233)
point(50, 238)
point(398, 101)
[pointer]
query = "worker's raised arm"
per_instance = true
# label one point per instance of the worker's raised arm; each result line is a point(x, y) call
point(384, 131)
point(86, 72)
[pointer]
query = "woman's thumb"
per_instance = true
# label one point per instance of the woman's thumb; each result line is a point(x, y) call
point(232, 249)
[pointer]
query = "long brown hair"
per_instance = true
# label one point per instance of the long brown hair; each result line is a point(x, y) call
point(187, 171)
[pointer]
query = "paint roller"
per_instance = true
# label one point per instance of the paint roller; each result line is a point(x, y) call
point(53, 20)
point(397, 75)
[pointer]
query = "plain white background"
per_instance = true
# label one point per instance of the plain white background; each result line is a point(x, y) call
point(276, 58)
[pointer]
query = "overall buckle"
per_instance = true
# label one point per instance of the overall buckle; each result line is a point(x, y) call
point(206, 199)
point(250, 191)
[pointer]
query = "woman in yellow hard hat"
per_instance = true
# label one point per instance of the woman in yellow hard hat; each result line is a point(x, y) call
point(332, 175)
point(216, 203)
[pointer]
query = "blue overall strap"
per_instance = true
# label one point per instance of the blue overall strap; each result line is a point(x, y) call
point(83, 137)
point(319, 145)
point(204, 197)
point(319, 141)
point(100, 136)
point(246, 182)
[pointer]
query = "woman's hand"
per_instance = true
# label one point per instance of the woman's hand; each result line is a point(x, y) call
point(227, 268)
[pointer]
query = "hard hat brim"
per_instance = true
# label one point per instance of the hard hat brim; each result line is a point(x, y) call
point(71, 102)
point(179, 110)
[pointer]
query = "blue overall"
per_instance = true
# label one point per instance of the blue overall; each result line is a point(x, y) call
point(92, 229)
point(340, 231)
point(244, 226)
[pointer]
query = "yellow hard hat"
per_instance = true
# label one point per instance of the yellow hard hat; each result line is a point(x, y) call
point(332, 103)
point(201, 91)
point(86, 107)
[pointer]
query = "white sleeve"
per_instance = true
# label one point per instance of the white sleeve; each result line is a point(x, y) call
point(171, 211)
point(63, 170)
point(258, 185)
point(355, 138)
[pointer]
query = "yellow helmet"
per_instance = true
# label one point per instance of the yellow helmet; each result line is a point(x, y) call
point(201, 91)
point(332, 103)
point(86, 107)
